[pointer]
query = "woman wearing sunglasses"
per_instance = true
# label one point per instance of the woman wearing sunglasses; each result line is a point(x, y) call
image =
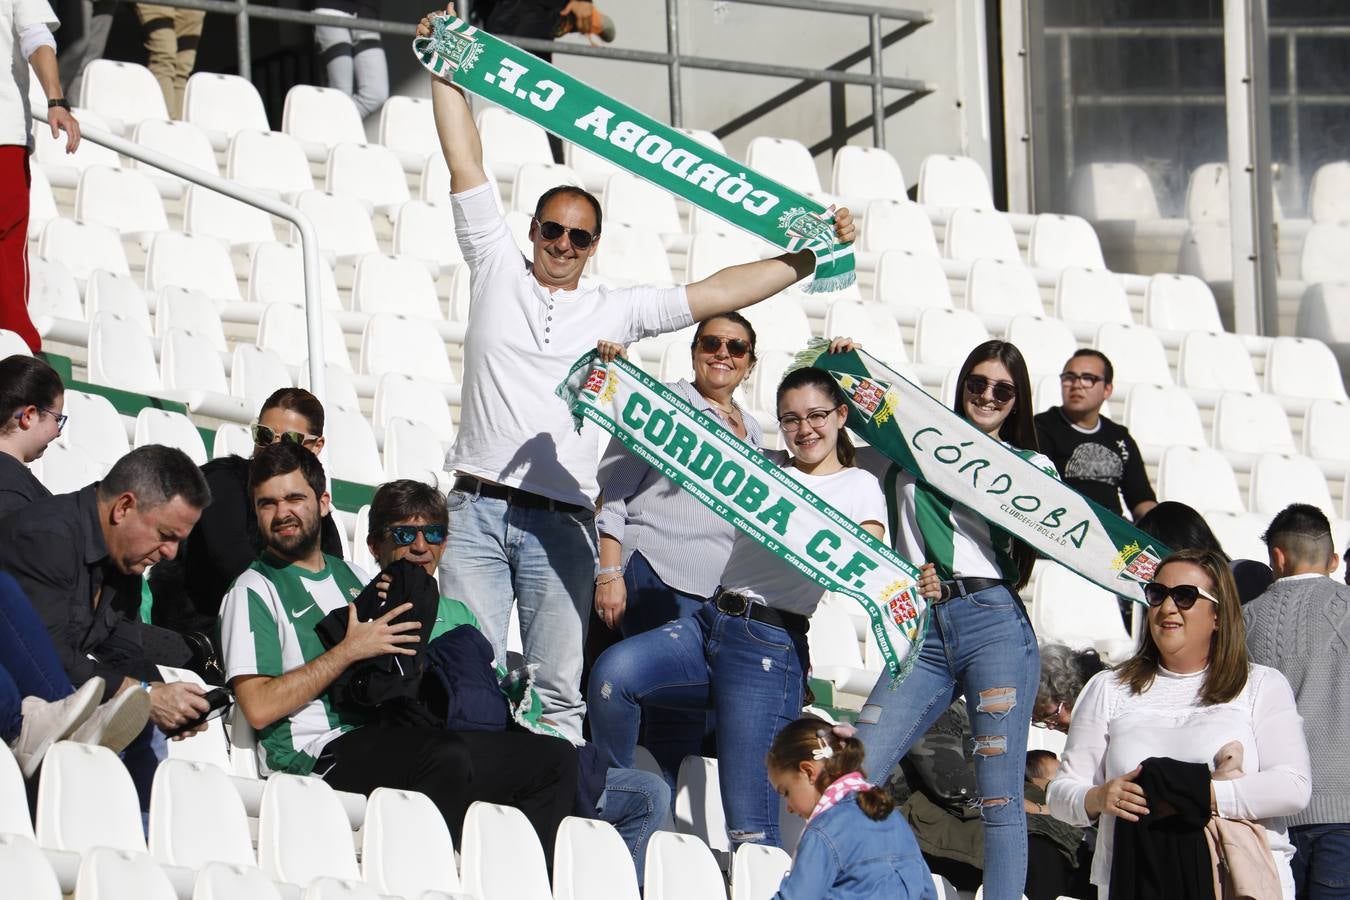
point(980, 644)
point(1188, 693)
point(661, 550)
point(225, 541)
point(743, 652)
point(32, 398)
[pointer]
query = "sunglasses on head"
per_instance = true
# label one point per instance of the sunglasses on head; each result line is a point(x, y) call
point(266, 437)
point(1004, 391)
point(551, 231)
point(404, 535)
point(736, 347)
point(1183, 595)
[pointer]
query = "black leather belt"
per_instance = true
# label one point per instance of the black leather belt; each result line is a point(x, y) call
point(961, 587)
point(734, 604)
point(515, 496)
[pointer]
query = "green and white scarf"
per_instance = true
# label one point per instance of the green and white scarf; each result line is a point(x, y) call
point(955, 458)
point(741, 486)
point(637, 143)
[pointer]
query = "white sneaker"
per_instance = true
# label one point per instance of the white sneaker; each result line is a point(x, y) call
point(46, 723)
point(116, 723)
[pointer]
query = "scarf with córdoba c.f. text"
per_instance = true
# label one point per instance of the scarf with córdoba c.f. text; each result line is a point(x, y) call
point(541, 93)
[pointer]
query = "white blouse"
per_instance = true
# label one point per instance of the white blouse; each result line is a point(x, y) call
point(1114, 730)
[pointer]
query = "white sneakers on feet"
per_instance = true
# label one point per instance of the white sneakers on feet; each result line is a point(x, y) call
point(46, 723)
point(117, 722)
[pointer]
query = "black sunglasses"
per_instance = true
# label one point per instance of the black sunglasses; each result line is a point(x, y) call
point(551, 231)
point(404, 535)
point(711, 343)
point(1004, 391)
point(1087, 378)
point(1183, 595)
point(266, 437)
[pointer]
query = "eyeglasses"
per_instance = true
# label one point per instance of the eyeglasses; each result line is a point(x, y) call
point(817, 418)
point(551, 231)
point(1050, 719)
point(1086, 378)
point(61, 418)
point(1183, 595)
point(404, 535)
point(736, 348)
point(1004, 391)
point(266, 437)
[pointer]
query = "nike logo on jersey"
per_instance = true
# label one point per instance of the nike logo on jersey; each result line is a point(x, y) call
point(300, 612)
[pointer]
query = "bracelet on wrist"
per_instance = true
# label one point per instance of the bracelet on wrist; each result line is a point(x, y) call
point(601, 579)
point(609, 570)
point(62, 102)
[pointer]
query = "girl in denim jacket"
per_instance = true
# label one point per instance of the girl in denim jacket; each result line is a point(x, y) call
point(855, 843)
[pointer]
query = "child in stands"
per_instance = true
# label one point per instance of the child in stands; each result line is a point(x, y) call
point(856, 844)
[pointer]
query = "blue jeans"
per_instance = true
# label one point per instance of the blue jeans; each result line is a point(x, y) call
point(29, 666)
point(670, 734)
point(355, 62)
point(544, 559)
point(980, 646)
point(1321, 861)
point(749, 672)
point(637, 804)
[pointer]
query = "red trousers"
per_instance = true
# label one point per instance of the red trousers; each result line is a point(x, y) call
point(15, 179)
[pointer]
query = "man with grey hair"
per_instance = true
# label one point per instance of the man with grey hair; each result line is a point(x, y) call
point(79, 558)
point(1301, 626)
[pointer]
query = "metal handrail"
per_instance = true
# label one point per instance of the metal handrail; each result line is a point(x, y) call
point(673, 60)
point(309, 239)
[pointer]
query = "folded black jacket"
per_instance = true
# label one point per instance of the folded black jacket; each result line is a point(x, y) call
point(1166, 857)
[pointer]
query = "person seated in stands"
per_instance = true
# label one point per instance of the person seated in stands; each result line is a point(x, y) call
point(1058, 859)
point(187, 590)
point(1094, 455)
point(408, 520)
point(282, 674)
point(32, 400)
point(1180, 527)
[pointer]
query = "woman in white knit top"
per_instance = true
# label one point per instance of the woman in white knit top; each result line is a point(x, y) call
point(1188, 691)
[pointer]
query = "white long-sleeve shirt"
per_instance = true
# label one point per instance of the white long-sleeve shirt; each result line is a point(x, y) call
point(1114, 730)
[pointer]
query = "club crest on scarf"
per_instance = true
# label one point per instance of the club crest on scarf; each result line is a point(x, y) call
point(1135, 564)
point(874, 399)
point(448, 50)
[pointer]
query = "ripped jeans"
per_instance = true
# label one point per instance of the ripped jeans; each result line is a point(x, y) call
point(980, 646)
point(748, 672)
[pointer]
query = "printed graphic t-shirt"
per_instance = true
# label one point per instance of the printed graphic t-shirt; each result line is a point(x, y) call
point(1101, 465)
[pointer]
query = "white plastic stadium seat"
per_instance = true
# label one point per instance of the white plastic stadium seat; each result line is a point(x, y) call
point(426, 232)
point(1002, 288)
point(339, 889)
point(26, 870)
point(62, 168)
point(352, 452)
point(119, 198)
point(1325, 255)
point(911, 281)
point(630, 200)
point(757, 870)
point(980, 233)
point(780, 324)
point(195, 263)
point(510, 142)
point(1251, 423)
point(210, 214)
point(594, 171)
point(338, 384)
point(411, 450)
point(342, 223)
point(11, 344)
point(270, 160)
point(866, 173)
point(1216, 361)
point(197, 817)
point(1207, 195)
point(191, 311)
point(501, 856)
point(1046, 344)
point(408, 128)
point(303, 832)
point(591, 862)
point(1329, 193)
point(283, 330)
point(1201, 478)
point(256, 373)
point(627, 255)
point(698, 807)
point(160, 426)
point(945, 337)
point(41, 202)
point(276, 275)
point(392, 284)
point(405, 845)
point(1091, 295)
point(83, 248)
point(1163, 416)
point(712, 251)
point(222, 106)
point(321, 118)
point(533, 178)
point(86, 800)
point(95, 428)
point(402, 396)
point(231, 440)
point(182, 141)
point(1135, 352)
point(1279, 480)
point(121, 355)
point(224, 881)
point(871, 323)
point(1180, 303)
point(52, 290)
point(954, 181)
point(368, 172)
point(1112, 190)
point(120, 294)
point(1305, 368)
point(1326, 430)
point(62, 469)
point(397, 344)
point(123, 93)
point(785, 161)
point(108, 874)
point(1069, 609)
point(898, 225)
point(1058, 241)
point(680, 867)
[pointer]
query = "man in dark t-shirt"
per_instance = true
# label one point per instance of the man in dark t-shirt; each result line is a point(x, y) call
point(1094, 455)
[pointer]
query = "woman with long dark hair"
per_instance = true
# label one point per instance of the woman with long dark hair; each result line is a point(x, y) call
point(980, 644)
point(32, 400)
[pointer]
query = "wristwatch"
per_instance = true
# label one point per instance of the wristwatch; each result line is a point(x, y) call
point(59, 101)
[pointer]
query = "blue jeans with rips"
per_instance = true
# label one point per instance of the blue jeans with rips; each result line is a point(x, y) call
point(980, 646)
point(637, 804)
point(545, 559)
point(749, 672)
point(1321, 861)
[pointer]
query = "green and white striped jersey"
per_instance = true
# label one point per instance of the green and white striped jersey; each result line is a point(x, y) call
point(267, 627)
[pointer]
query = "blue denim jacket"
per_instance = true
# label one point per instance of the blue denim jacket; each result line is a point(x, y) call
point(843, 854)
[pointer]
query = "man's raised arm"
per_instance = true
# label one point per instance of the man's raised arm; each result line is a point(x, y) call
point(460, 142)
point(736, 287)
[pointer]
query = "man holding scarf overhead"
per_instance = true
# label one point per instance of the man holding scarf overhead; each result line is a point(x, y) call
point(522, 517)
